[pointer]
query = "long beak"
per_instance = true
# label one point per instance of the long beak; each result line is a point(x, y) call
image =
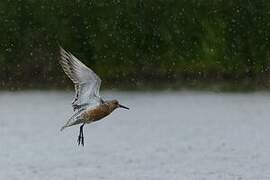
point(121, 106)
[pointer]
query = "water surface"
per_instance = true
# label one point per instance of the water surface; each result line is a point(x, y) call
point(165, 135)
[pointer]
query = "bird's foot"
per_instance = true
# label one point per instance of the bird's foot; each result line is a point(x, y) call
point(81, 137)
point(80, 140)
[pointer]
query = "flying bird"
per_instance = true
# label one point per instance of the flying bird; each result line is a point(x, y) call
point(87, 104)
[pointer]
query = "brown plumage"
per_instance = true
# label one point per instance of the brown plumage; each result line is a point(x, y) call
point(87, 103)
point(100, 111)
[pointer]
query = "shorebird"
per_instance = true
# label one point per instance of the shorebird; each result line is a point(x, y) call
point(87, 104)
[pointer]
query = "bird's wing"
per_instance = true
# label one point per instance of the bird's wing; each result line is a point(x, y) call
point(86, 82)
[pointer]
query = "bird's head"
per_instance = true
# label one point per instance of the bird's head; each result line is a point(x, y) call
point(115, 104)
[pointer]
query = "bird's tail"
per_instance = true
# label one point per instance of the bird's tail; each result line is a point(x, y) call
point(73, 120)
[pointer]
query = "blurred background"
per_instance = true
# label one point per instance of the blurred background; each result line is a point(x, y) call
point(195, 74)
point(137, 44)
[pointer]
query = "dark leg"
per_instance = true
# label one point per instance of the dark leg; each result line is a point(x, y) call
point(81, 137)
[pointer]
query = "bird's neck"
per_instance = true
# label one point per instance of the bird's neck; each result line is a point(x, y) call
point(110, 107)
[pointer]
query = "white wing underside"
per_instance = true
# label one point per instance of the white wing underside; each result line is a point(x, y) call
point(86, 82)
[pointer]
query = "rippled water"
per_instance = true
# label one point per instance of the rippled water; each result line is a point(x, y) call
point(165, 135)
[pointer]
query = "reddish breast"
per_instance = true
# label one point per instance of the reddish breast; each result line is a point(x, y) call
point(97, 113)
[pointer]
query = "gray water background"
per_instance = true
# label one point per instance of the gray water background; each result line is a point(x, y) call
point(164, 135)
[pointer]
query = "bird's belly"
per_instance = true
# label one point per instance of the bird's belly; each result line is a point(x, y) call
point(94, 115)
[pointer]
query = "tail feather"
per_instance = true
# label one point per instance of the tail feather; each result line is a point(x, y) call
point(73, 120)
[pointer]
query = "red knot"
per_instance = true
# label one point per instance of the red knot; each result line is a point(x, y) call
point(87, 104)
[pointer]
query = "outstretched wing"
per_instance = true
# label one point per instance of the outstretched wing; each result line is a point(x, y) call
point(86, 82)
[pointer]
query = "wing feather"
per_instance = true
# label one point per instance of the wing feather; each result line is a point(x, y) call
point(86, 82)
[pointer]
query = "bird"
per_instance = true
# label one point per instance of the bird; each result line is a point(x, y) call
point(87, 104)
